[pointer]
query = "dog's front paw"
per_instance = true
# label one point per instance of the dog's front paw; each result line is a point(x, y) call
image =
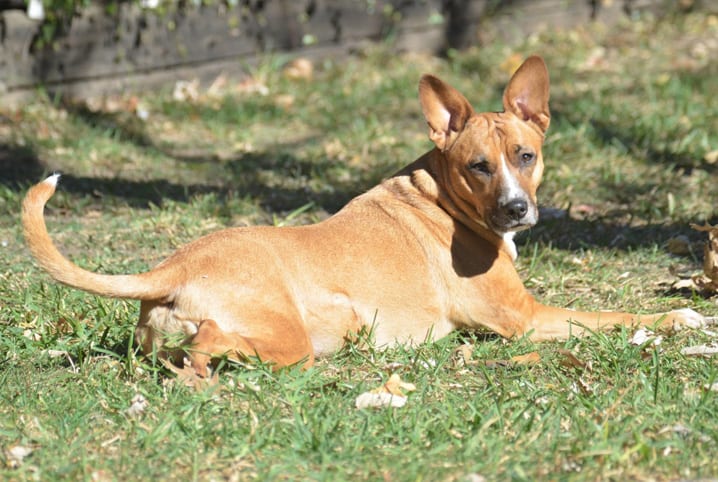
point(686, 318)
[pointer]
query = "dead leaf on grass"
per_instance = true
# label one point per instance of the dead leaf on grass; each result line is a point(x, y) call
point(700, 350)
point(711, 157)
point(528, 359)
point(390, 394)
point(463, 354)
point(643, 336)
point(584, 386)
point(379, 400)
point(15, 455)
point(188, 377)
point(251, 85)
point(707, 282)
point(299, 69)
point(186, 91)
point(137, 407)
point(679, 245)
point(395, 386)
point(568, 359)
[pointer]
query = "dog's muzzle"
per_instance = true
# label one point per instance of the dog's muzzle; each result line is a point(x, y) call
point(514, 215)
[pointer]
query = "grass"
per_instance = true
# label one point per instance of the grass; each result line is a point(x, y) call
point(626, 166)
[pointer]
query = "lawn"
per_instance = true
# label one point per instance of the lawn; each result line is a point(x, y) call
point(630, 163)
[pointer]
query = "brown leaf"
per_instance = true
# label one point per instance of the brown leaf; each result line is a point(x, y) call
point(708, 281)
point(188, 377)
point(527, 359)
point(570, 360)
point(395, 386)
point(390, 394)
point(711, 157)
point(496, 363)
point(679, 245)
point(463, 354)
point(299, 69)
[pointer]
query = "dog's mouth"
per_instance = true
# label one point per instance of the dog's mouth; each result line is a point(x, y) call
point(503, 228)
point(502, 221)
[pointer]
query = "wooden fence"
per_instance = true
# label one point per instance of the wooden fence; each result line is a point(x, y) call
point(136, 48)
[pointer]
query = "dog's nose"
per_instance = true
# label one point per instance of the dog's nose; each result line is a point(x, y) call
point(516, 209)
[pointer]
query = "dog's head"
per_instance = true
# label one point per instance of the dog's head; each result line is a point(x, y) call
point(491, 162)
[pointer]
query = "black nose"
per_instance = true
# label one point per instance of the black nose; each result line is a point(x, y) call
point(516, 209)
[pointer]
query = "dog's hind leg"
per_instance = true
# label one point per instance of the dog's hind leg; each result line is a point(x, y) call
point(281, 344)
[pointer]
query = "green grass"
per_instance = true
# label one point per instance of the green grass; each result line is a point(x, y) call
point(625, 160)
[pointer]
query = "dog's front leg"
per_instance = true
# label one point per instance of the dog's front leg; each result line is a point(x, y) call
point(550, 323)
point(502, 304)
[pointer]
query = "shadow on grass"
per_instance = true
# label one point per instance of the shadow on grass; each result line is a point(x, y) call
point(19, 166)
point(276, 179)
point(573, 234)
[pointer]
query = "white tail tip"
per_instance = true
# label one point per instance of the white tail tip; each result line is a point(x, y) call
point(53, 179)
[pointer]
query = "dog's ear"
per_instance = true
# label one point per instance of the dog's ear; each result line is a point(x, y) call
point(445, 109)
point(528, 92)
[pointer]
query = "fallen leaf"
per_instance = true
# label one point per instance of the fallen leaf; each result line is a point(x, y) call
point(138, 404)
point(711, 157)
point(56, 353)
point(188, 376)
point(527, 359)
point(679, 245)
point(683, 431)
point(186, 91)
point(390, 394)
point(379, 400)
point(685, 284)
point(699, 350)
point(496, 363)
point(473, 477)
point(285, 101)
point(463, 354)
point(643, 336)
point(218, 85)
point(708, 280)
point(572, 361)
point(15, 455)
point(395, 386)
point(300, 68)
point(584, 386)
point(252, 86)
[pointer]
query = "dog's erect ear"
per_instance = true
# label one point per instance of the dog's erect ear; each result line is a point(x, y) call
point(527, 93)
point(445, 109)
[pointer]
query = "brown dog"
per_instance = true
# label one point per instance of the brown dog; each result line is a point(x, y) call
point(428, 250)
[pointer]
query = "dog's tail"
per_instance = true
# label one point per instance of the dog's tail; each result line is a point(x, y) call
point(152, 285)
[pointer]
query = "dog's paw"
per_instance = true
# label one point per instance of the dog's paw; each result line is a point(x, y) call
point(686, 318)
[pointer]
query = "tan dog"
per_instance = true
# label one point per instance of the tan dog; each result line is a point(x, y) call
point(427, 251)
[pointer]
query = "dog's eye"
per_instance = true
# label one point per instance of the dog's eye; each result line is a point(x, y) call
point(527, 157)
point(480, 167)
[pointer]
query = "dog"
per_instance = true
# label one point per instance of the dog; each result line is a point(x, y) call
point(427, 251)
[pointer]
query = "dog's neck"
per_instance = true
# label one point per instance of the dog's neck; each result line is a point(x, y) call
point(428, 180)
